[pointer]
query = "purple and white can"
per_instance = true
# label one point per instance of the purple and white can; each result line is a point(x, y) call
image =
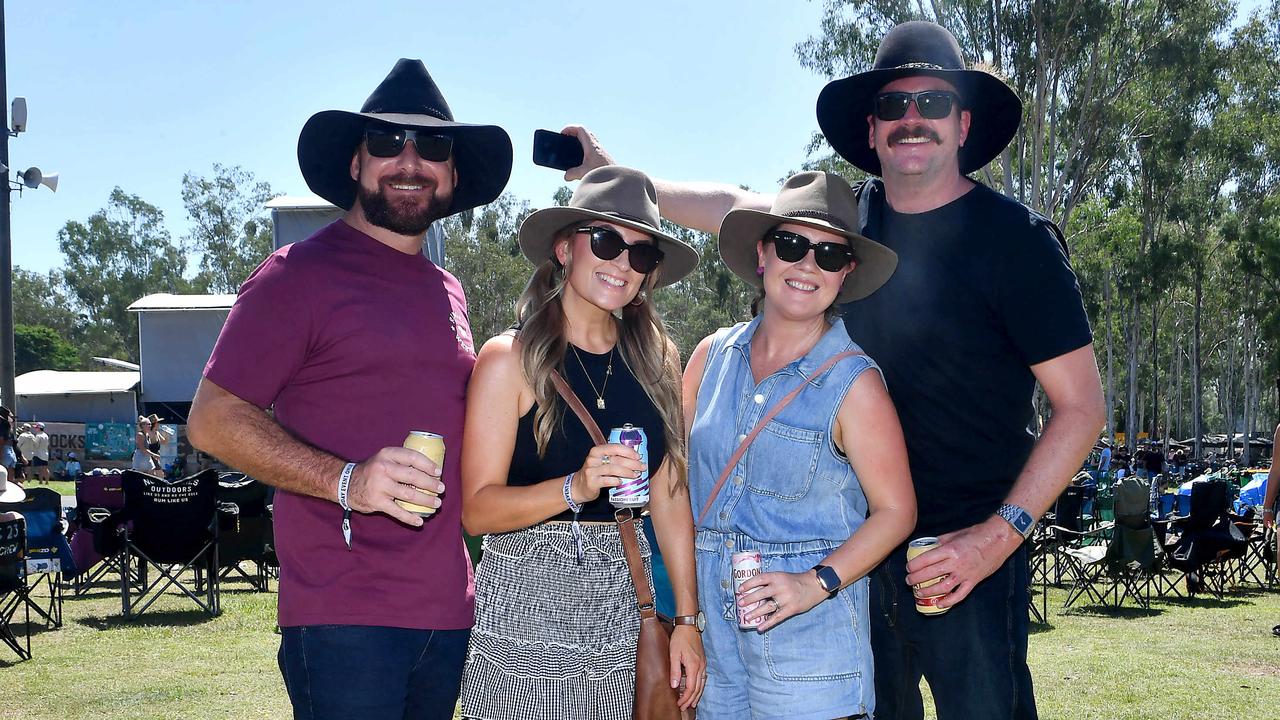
point(746, 565)
point(631, 493)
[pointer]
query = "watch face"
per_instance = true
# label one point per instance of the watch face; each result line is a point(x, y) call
point(701, 621)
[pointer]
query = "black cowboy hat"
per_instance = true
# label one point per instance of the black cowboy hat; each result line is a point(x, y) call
point(408, 97)
point(919, 48)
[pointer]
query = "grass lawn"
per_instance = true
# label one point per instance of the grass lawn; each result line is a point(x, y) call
point(1183, 659)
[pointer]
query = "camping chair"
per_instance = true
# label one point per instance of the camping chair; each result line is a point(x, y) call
point(171, 526)
point(13, 585)
point(47, 551)
point(1126, 566)
point(96, 544)
point(1202, 543)
point(1067, 531)
point(244, 528)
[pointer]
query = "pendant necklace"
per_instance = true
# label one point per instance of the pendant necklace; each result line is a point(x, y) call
point(608, 371)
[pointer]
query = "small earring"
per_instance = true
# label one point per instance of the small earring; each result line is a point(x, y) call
point(639, 299)
point(760, 270)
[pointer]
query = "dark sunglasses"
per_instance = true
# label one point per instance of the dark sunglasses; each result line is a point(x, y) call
point(607, 244)
point(388, 142)
point(791, 247)
point(932, 104)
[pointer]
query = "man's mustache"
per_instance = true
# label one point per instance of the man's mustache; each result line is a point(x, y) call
point(913, 131)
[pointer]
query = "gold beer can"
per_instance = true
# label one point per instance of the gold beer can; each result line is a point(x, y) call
point(432, 446)
point(925, 605)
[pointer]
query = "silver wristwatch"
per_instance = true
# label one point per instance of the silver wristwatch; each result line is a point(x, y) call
point(1019, 518)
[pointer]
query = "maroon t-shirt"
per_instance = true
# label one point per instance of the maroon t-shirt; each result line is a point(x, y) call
point(353, 344)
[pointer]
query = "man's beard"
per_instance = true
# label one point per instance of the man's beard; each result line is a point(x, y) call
point(406, 218)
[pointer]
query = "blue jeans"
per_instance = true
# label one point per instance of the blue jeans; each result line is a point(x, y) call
point(974, 657)
point(353, 672)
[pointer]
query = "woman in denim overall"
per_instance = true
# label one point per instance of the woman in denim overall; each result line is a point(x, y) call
point(823, 492)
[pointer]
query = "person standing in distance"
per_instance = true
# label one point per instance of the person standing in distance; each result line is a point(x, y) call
point(376, 603)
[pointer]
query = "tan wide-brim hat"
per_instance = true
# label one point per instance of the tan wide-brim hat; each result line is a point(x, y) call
point(10, 492)
point(818, 200)
point(619, 195)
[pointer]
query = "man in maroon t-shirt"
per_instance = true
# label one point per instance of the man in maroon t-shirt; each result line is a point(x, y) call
point(337, 348)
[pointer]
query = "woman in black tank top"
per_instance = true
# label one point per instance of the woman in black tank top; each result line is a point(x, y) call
point(556, 615)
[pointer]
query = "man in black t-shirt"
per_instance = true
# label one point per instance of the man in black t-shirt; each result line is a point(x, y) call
point(982, 307)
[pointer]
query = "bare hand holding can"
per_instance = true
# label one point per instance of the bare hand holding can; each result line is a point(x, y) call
point(395, 474)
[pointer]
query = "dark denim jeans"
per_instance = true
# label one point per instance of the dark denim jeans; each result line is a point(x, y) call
point(352, 672)
point(974, 657)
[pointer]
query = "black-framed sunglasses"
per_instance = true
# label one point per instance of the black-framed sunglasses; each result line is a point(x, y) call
point(607, 244)
point(388, 142)
point(792, 247)
point(932, 104)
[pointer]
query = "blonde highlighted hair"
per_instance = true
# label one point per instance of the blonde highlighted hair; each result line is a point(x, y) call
point(643, 345)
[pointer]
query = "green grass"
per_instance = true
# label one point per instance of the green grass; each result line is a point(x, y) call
point(1182, 659)
point(63, 487)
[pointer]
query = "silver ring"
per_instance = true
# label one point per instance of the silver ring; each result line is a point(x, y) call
point(776, 606)
point(604, 459)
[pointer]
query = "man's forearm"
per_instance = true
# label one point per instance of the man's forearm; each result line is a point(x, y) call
point(248, 439)
point(702, 205)
point(1055, 459)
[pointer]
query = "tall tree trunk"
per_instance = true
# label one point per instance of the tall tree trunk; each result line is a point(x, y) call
point(1131, 424)
point(1111, 368)
point(1155, 373)
point(1197, 391)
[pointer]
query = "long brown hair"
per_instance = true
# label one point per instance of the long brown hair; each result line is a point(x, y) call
point(643, 344)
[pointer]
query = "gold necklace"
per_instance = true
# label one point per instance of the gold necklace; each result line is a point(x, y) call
point(608, 372)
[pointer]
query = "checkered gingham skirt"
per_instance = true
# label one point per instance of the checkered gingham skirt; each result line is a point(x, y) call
point(553, 639)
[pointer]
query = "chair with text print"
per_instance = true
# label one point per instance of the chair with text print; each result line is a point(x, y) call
point(48, 553)
point(13, 584)
point(171, 526)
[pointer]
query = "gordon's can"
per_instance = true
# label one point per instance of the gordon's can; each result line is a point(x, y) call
point(925, 605)
point(431, 445)
point(746, 565)
point(631, 493)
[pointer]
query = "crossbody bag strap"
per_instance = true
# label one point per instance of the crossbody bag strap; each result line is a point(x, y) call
point(625, 517)
point(746, 442)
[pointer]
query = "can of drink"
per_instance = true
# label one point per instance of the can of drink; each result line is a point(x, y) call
point(746, 565)
point(925, 605)
point(431, 445)
point(631, 493)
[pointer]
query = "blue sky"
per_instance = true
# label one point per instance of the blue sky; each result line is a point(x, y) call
point(135, 93)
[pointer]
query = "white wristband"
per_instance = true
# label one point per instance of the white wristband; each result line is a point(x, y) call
point(344, 484)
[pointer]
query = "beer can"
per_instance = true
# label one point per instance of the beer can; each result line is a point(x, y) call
point(746, 565)
point(925, 605)
point(631, 492)
point(432, 446)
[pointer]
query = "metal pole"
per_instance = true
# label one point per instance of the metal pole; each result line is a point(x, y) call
point(7, 395)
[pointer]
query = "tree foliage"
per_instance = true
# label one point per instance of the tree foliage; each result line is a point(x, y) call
point(38, 347)
point(231, 229)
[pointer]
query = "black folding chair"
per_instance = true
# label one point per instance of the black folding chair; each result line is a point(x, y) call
point(13, 585)
point(244, 529)
point(1126, 565)
point(171, 526)
point(48, 553)
point(1202, 544)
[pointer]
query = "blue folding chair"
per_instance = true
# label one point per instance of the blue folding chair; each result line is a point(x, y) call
point(48, 552)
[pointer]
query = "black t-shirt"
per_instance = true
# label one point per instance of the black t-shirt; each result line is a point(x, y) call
point(625, 402)
point(983, 291)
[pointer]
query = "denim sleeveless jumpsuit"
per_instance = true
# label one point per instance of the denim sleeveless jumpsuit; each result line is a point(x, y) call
point(795, 499)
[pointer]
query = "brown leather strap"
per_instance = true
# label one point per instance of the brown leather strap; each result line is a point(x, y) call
point(742, 447)
point(626, 527)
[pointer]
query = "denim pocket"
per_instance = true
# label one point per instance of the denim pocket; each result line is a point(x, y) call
point(821, 644)
point(783, 461)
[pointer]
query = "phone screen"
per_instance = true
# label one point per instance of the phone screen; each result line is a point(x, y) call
point(553, 150)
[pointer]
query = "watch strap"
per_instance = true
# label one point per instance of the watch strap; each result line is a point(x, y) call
point(828, 579)
point(1019, 518)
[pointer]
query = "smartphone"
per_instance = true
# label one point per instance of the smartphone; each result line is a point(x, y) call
point(553, 150)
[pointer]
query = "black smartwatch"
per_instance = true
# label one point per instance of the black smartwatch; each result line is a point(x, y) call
point(828, 579)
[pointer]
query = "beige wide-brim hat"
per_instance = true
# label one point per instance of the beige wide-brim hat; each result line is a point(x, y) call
point(616, 194)
point(818, 200)
point(10, 492)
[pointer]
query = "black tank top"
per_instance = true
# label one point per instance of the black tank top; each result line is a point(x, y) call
point(625, 402)
point(153, 447)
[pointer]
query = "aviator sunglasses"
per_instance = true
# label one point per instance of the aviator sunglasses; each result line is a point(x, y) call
point(932, 104)
point(607, 244)
point(388, 142)
point(792, 247)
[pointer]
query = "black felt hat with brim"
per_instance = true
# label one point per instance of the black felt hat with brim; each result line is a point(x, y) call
point(813, 199)
point(619, 195)
point(408, 97)
point(910, 49)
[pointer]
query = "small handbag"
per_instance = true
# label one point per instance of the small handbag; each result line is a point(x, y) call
point(655, 699)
